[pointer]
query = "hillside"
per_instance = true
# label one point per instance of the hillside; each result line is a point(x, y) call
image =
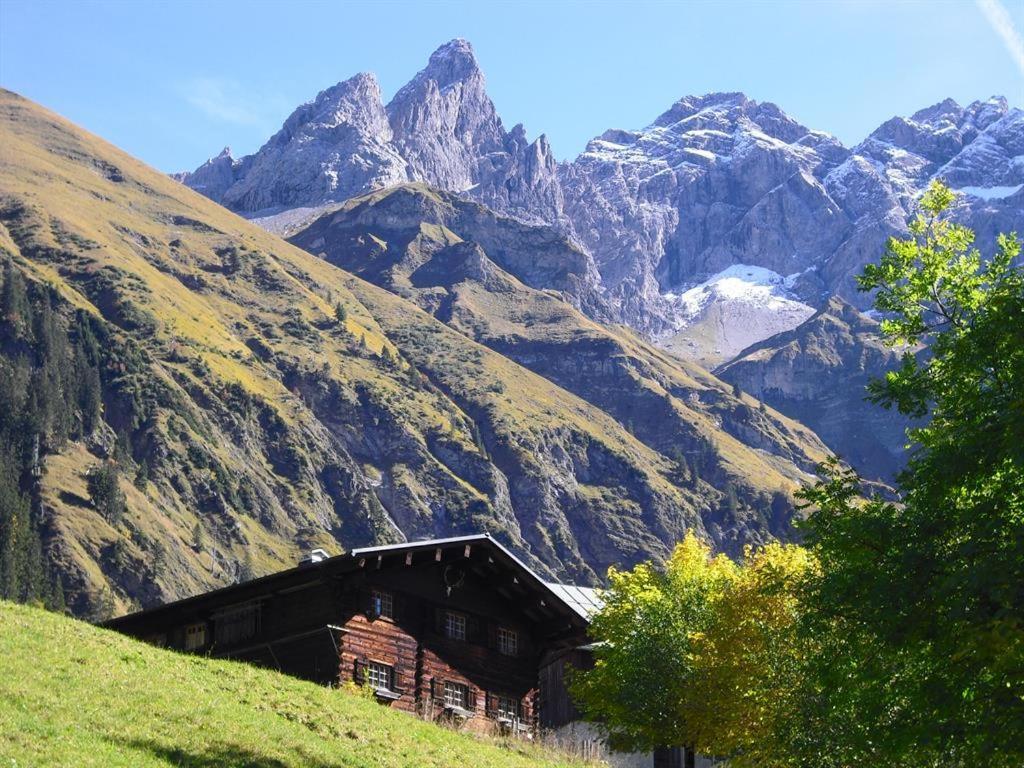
point(75, 695)
point(478, 271)
point(252, 401)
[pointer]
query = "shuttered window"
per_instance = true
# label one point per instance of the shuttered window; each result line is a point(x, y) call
point(195, 636)
point(238, 624)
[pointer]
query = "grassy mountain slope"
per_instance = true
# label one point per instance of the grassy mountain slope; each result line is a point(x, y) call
point(247, 422)
point(75, 695)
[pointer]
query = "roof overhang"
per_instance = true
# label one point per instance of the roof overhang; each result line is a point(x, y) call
point(548, 606)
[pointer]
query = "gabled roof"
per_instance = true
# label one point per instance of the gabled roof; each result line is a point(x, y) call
point(547, 599)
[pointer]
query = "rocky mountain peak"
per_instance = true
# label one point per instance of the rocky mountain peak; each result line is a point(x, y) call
point(453, 62)
point(945, 110)
point(728, 112)
point(691, 106)
point(983, 113)
point(443, 121)
point(355, 102)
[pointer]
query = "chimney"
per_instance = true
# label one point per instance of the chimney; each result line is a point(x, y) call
point(314, 556)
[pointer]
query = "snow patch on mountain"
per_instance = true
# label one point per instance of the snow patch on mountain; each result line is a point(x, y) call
point(752, 285)
point(739, 306)
point(990, 193)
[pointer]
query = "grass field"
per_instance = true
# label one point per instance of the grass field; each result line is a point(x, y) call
point(75, 695)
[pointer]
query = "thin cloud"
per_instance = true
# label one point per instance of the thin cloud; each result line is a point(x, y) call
point(998, 17)
point(225, 101)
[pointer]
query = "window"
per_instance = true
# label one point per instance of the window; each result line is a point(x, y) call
point(456, 695)
point(508, 641)
point(237, 624)
point(507, 708)
point(195, 636)
point(380, 677)
point(455, 626)
point(382, 604)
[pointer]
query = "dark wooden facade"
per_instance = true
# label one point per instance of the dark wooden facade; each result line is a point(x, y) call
point(454, 628)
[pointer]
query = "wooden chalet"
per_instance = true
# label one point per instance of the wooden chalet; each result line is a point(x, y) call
point(457, 629)
point(454, 628)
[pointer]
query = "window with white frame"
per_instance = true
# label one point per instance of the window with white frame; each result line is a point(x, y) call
point(507, 708)
point(456, 695)
point(195, 636)
point(454, 626)
point(508, 641)
point(382, 604)
point(380, 677)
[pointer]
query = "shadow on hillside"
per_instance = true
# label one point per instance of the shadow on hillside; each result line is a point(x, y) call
point(214, 756)
point(74, 499)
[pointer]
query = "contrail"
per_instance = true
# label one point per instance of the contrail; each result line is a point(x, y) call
point(999, 19)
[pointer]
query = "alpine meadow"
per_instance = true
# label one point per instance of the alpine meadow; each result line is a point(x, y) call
point(401, 438)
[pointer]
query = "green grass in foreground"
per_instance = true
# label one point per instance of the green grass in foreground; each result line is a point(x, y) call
point(72, 694)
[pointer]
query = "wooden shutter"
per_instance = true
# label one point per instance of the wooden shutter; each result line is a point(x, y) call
point(359, 671)
point(490, 705)
point(492, 635)
point(470, 698)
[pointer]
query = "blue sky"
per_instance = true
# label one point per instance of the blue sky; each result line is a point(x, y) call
point(172, 83)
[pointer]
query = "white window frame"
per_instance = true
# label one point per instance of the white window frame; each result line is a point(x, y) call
point(454, 626)
point(456, 694)
point(380, 676)
point(192, 632)
point(506, 707)
point(507, 641)
point(382, 603)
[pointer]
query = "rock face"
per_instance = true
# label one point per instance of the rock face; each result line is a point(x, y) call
point(716, 182)
point(721, 180)
point(537, 255)
point(334, 147)
point(817, 374)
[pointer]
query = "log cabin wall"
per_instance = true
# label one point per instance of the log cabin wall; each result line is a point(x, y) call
point(492, 661)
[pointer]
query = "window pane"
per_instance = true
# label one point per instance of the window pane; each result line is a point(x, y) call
point(508, 708)
point(456, 695)
point(455, 626)
point(380, 676)
point(508, 641)
point(382, 603)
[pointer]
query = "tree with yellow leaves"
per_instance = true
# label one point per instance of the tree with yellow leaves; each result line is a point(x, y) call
point(703, 654)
